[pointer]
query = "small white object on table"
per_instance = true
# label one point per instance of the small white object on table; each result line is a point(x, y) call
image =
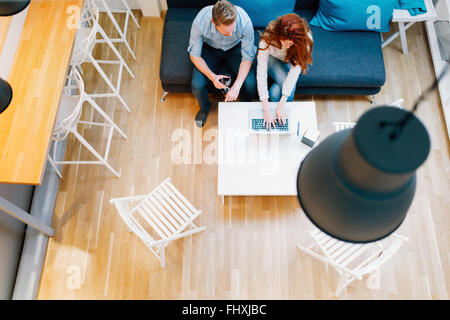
point(267, 165)
point(402, 17)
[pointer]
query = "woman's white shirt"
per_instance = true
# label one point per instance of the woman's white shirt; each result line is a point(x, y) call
point(261, 70)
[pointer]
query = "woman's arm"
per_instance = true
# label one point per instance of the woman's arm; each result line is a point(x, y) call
point(261, 79)
point(290, 83)
point(261, 71)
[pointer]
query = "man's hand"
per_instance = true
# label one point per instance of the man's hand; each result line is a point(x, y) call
point(215, 80)
point(233, 93)
point(279, 112)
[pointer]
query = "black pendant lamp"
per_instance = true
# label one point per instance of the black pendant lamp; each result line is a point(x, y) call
point(11, 7)
point(5, 95)
point(358, 184)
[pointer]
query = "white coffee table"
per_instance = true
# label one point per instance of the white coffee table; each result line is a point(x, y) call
point(264, 165)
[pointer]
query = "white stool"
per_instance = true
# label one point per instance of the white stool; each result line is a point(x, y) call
point(122, 31)
point(84, 45)
point(68, 118)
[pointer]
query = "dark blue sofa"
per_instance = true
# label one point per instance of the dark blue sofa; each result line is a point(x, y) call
point(344, 63)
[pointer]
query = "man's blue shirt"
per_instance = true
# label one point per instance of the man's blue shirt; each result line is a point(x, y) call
point(204, 30)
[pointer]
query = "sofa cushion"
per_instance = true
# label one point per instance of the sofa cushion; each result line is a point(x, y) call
point(364, 15)
point(307, 4)
point(190, 3)
point(263, 11)
point(176, 66)
point(299, 4)
point(344, 59)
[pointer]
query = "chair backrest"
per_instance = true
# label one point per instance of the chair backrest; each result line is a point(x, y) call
point(386, 254)
point(397, 103)
point(159, 216)
point(73, 86)
point(85, 41)
point(338, 126)
point(357, 259)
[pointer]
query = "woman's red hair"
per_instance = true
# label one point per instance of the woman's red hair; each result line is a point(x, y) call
point(291, 27)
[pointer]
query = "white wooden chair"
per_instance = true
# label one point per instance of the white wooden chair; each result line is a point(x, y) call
point(397, 103)
point(85, 41)
point(122, 31)
point(338, 126)
point(159, 217)
point(351, 260)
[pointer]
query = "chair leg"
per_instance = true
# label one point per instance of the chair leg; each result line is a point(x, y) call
point(116, 25)
point(341, 285)
point(105, 77)
point(163, 97)
point(131, 13)
point(113, 48)
point(104, 115)
point(53, 164)
point(78, 67)
point(163, 255)
point(95, 153)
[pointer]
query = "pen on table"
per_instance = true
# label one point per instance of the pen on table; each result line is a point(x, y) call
point(298, 128)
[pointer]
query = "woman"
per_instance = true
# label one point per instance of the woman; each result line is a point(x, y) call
point(285, 50)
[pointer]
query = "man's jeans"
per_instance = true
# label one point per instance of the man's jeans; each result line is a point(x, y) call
point(213, 58)
point(278, 71)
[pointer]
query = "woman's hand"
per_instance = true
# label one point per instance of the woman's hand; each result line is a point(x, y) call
point(269, 119)
point(279, 112)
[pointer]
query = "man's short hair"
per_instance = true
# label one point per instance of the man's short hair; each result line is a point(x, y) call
point(223, 13)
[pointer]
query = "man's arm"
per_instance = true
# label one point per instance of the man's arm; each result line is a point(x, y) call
point(248, 52)
point(201, 65)
point(195, 52)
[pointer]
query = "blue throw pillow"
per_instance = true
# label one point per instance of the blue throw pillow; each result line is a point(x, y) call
point(366, 15)
point(261, 12)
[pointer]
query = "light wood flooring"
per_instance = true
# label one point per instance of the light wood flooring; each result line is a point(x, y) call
point(248, 250)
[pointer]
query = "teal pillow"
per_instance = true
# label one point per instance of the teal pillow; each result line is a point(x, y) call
point(366, 15)
point(261, 12)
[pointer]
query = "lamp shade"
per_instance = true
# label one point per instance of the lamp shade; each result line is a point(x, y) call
point(358, 184)
point(11, 7)
point(5, 95)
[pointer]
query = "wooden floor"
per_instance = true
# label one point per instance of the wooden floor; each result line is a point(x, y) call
point(248, 250)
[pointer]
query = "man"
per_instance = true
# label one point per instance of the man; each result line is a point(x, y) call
point(216, 34)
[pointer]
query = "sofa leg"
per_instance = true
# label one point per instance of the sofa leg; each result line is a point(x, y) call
point(163, 98)
point(371, 99)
